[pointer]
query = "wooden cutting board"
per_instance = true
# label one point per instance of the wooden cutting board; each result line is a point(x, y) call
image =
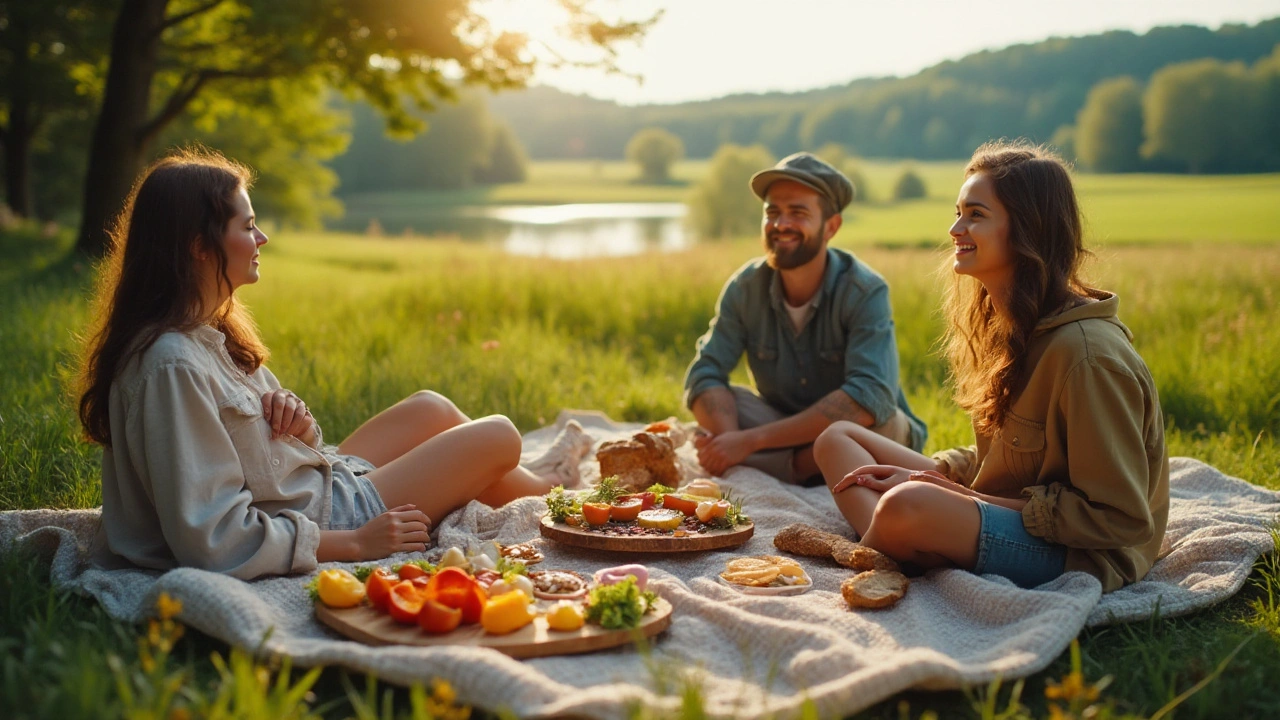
point(369, 626)
point(709, 540)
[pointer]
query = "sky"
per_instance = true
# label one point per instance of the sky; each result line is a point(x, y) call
point(702, 49)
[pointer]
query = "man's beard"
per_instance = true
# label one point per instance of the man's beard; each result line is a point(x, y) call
point(804, 251)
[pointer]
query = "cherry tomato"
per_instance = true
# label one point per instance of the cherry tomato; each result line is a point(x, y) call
point(675, 502)
point(437, 618)
point(625, 510)
point(595, 513)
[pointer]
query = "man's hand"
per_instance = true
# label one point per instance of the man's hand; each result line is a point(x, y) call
point(718, 453)
point(287, 414)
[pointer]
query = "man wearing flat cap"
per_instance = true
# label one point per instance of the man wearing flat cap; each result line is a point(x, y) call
point(817, 329)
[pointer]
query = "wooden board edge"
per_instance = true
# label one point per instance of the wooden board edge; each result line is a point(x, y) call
point(646, 544)
point(340, 621)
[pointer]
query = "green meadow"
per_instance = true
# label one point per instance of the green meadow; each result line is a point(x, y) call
point(355, 323)
point(1120, 209)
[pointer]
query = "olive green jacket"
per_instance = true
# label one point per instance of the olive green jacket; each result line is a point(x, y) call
point(1084, 443)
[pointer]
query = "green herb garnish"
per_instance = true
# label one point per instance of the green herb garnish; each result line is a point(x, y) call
point(508, 568)
point(619, 606)
point(561, 505)
point(733, 517)
point(362, 572)
point(607, 491)
point(313, 588)
point(658, 490)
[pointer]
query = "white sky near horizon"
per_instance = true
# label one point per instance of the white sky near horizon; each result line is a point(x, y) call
point(702, 49)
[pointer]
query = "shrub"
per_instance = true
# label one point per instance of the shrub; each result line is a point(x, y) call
point(910, 186)
point(722, 204)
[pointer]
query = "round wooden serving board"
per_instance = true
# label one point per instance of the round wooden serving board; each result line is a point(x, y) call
point(709, 540)
point(369, 626)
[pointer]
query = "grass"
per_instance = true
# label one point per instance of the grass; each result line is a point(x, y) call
point(357, 323)
point(1121, 209)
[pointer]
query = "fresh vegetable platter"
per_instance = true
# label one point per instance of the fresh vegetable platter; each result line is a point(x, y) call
point(694, 517)
point(486, 599)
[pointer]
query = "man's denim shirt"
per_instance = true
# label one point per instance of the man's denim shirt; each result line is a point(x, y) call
point(847, 344)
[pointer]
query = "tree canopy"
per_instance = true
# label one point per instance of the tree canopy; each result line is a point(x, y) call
point(156, 60)
point(654, 150)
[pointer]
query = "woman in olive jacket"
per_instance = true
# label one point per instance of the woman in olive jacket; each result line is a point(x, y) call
point(1070, 470)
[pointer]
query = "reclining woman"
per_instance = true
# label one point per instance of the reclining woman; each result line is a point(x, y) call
point(208, 462)
point(1070, 471)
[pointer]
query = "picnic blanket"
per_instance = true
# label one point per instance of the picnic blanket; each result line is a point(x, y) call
point(751, 655)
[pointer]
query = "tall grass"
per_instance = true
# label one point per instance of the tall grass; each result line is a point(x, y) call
point(356, 323)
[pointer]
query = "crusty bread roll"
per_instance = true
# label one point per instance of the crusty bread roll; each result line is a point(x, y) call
point(874, 589)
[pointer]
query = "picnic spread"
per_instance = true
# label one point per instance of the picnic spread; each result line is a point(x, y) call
point(773, 634)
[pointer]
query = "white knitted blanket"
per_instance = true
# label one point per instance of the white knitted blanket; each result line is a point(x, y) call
point(751, 655)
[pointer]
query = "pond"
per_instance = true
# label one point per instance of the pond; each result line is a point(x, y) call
point(558, 231)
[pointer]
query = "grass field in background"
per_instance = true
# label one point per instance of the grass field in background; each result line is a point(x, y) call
point(357, 323)
point(1119, 209)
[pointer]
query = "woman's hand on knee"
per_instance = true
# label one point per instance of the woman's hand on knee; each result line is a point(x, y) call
point(876, 477)
point(400, 529)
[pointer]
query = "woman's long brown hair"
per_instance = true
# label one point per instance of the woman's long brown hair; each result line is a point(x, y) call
point(149, 283)
point(986, 347)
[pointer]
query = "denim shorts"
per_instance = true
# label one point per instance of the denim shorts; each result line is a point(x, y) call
point(355, 501)
point(1006, 548)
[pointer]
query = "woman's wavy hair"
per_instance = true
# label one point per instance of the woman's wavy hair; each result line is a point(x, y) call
point(149, 283)
point(986, 348)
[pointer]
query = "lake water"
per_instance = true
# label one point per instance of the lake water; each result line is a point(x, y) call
point(561, 231)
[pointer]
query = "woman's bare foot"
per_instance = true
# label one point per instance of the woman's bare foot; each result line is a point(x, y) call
point(559, 464)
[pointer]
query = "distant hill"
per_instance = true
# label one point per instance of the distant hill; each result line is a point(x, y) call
point(943, 111)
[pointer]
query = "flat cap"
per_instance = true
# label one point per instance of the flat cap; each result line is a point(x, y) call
point(808, 170)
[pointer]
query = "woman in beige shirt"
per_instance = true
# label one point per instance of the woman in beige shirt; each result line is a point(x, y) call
point(1070, 470)
point(208, 462)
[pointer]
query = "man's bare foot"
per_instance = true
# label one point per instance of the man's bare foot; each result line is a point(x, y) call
point(559, 464)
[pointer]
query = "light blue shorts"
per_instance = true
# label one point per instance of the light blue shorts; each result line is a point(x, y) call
point(1006, 548)
point(355, 500)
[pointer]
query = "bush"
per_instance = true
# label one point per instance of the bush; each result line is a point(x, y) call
point(910, 186)
point(722, 204)
point(655, 149)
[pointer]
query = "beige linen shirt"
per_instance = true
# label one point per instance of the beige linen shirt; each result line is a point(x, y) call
point(193, 478)
point(1084, 443)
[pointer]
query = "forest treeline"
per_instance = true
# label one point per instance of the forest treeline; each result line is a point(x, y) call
point(311, 95)
point(1033, 90)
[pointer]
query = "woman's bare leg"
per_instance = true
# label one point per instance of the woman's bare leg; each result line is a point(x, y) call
point(422, 416)
point(844, 447)
point(402, 427)
point(452, 468)
point(925, 524)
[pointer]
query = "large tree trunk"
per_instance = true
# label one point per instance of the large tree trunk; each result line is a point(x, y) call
point(17, 136)
point(118, 148)
point(17, 162)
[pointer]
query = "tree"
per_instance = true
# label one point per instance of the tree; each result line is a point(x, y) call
point(175, 50)
point(39, 41)
point(1109, 126)
point(1201, 116)
point(285, 131)
point(910, 186)
point(508, 162)
point(654, 150)
point(722, 204)
point(1064, 140)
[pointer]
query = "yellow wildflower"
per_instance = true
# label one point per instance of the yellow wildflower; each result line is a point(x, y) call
point(168, 606)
